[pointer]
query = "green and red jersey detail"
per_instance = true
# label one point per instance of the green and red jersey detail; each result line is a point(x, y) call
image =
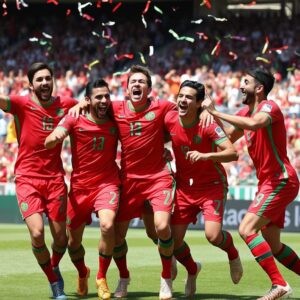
point(94, 148)
point(142, 138)
point(34, 122)
point(267, 146)
point(202, 174)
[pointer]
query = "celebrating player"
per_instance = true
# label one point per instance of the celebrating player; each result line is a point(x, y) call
point(262, 124)
point(201, 183)
point(94, 181)
point(40, 185)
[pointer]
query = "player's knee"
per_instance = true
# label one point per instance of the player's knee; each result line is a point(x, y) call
point(213, 238)
point(61, 240)
point(244, 232)
point(107, 228)
point(37, 236)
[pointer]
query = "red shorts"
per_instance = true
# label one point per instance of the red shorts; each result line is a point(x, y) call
point(40, 195)
point(82, 203)
point(159, 192)
point(272, 198)
point(188, 203)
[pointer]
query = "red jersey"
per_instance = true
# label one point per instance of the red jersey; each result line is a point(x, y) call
point(34, 122)
point(201, 174)
point(267, 145)
point(142, 139)
point(94, 148)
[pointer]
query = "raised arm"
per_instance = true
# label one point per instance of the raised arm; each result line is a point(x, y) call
point(55, 137)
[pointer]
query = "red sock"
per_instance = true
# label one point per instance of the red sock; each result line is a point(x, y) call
point(47, 269)
point(57, 254)
point(104, 262)
point(81, 267)
point(288, 258)
point(183, 255)
point(263, 255)
point(228, 246)
point(166, 260)
point(121, 263)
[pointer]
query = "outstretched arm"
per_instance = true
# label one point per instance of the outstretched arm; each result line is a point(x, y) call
point(55, 137)
point(258, 121)
point(4, 102)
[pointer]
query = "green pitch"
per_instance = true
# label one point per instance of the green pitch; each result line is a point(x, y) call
point(21, 277)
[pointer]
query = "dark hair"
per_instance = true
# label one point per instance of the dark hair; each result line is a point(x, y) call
point(140, 69)
point(97, 83)
point(199, 87)
point(35, 67)
point(264, 77)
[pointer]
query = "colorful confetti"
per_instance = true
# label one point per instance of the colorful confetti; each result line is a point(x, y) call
point(199, 21)
point(158, 10)
point(142, 58)
point(109, 23)
point(233, 55)
point(19, 3)
point(218, 19)
point(68, 12)
point(206, 3)
point(53, 2)
point(216, 49)
point(126, 55)
point(146, 7)
point(179, 38)
point(81, 6)
point(259, 58)
point(121, 72)
point(202, 35)
point(151, 50)
point(88, 17)
point(116, 7)
point(266, 45)
point(95, 62)
point(4, 6)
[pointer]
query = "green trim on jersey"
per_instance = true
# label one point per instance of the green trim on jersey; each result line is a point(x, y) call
point(271, 197)
point(131, 107)
point(18, 127)
point(8, 108)
point(284, 171)
point(221, 140)
point(99, 122)
point(35, 100)
point(196, 121)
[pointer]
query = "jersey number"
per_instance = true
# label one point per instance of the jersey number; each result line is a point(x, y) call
point(168, 195)
point(217, 211)
point(113, 198)
point(135, 128)
point(47, 123)
point(98, 143)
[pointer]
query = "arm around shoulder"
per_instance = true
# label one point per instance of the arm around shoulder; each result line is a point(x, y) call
point(4, 102)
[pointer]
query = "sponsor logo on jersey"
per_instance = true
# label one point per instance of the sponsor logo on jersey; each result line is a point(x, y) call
point(266, 108)
point(24, 206)
point(60, 112)
point(219, 132)
point(150, 116)
point(197, 139)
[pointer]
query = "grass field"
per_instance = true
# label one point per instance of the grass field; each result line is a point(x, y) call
point(21, 277)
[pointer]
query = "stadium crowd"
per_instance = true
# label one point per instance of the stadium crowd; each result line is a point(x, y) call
point(74, 53)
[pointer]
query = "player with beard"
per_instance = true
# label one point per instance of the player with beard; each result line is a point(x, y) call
point(201, 181)
point(40, 185)
point(145, 175)
point(94, 181)
point(262, 124)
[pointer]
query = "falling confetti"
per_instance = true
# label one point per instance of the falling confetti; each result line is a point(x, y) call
point(142, 58)
point(202, 35)
point(126, 55)
point(53, 2)
point(146, 7)
point(4, 6)
point(19, 3)
point(265, 46)
point(47, 36)
point(258, 58)
point(297, 53)
point(33, 39)
point(216, 49)
point(88, 17)
point(110, 23)
point(144, 21)
point(116, 7)
point(280, 48)
point(158, 10)
point(179, 38)
point(151, 50)
point(81, 6)
point(68, 12)
point(218, 19)
point(206, 3)
point(233, 55)
point(121, 72)
point(95, 62)
point(197, 21)
point(96, 34)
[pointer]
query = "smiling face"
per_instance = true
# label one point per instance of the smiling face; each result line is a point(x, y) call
point(42, 85)
point(138, 88)
point(248, 88)
point(187, 103)
point(100, 102)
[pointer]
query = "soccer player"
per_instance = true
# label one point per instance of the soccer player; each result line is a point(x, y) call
point(262, 124)
point(40, 186)
point(145, 175)
point(94, 181)
point(201, 183)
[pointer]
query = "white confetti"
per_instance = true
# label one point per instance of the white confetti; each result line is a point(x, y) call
point(81, 6)
point(151, 50)
point(47, 36)
point(109, 23)
point(218, 19)
point(197, 21)
point(144, 21)
point(33, 39)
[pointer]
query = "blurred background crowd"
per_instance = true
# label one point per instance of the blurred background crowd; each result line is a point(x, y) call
point(92, 44)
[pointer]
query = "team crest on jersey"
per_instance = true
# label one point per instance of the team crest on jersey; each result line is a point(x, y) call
point(266, 108)
point(113, 130)
point(150, 116)
point(24, 206)
point(60, 112)
point(197, 139)
point(219, 132)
